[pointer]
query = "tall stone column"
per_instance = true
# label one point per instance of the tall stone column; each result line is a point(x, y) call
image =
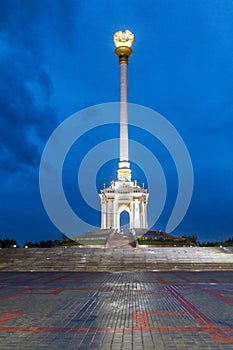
point(124, 153)
point(123, 42)
point(124, 195)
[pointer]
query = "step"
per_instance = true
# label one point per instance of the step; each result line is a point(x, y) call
point(114, 259)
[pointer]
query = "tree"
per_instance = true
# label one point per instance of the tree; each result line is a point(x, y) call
point(190, 238)
point(8, 243)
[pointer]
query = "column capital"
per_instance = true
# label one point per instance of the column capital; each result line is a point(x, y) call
point(123, 53)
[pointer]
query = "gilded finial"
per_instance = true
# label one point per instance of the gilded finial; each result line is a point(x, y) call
point(123, 38)
point(123, 42)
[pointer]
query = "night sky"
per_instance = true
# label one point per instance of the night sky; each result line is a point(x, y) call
point(57, 58)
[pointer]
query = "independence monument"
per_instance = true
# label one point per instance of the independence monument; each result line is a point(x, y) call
point(124, 194)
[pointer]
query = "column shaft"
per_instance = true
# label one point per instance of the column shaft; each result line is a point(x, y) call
point(123, 113)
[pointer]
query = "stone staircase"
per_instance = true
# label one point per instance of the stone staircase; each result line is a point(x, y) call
point(121, 240)
point(111, 259)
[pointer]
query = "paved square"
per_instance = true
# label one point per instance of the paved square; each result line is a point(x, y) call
point(91, 310)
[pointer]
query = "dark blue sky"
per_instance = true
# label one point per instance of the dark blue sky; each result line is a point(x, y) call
point(57, 57)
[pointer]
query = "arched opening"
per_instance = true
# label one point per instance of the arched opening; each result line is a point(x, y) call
point(124, 221)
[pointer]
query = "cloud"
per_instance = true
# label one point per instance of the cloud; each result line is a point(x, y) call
point(26, 116)
point(22, 119)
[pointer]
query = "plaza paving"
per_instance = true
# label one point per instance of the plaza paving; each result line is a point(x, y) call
point(122, 310)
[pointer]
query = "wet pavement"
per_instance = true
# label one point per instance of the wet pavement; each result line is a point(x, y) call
point(102, 310)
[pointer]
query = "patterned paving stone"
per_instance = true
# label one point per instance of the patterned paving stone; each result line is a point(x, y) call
point(136, 310)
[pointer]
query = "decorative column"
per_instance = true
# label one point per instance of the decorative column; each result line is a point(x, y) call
point(123, 42)
point(123, 194)
point(103, 214)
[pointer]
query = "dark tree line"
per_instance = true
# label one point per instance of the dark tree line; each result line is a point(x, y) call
point(42, 244)
point(194, 239)
point(227, 243)
point(12, 243)
point(8, 243)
